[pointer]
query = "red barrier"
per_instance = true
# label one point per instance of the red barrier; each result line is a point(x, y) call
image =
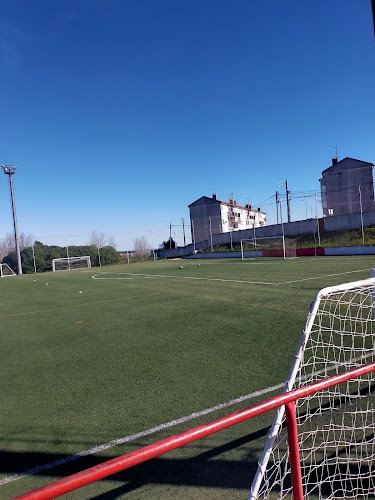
point(304, 252)
point(105, 469)
point(272, 253)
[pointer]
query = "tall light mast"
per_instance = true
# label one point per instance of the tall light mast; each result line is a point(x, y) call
point(11, 170)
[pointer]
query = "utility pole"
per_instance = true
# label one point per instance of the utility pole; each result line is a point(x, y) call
point(360, 205)
point(183, 229)
point(170, 235)
point(277, 207)
point(212, 248)
point(11, 170)
point(287, 200)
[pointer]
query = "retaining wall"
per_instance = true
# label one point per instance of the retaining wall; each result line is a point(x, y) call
point(365, 250)
point(291, 229)
point(301, 252)
point(349, 221)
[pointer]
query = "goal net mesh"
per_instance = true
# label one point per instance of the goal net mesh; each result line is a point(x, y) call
point(69, 263)
point(336, 426)
point(269, 247)
point(5, 270)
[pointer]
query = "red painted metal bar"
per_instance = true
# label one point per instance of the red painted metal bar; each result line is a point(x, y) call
point(295, 465)
point(106, 469)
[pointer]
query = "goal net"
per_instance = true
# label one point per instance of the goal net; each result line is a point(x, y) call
point(336, 426)
point(5, 270)
point(69, 263)
point(275, 246)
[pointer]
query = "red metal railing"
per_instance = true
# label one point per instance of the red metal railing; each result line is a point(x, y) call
point(106, 469)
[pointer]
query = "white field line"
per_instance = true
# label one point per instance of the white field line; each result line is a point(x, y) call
point(101, 277)
point(132, 437)
point(98, 277)
point(325, 276)
point(172, 423)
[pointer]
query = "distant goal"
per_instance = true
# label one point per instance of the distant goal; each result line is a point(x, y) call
point(70, 263)
point(5, 270)
point(275, 246)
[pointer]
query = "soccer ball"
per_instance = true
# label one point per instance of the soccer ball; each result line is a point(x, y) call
point(181, 267)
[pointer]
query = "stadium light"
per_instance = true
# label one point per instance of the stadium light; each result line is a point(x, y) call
point(11, 170)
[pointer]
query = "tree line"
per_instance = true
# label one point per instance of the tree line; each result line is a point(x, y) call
point(44, 254)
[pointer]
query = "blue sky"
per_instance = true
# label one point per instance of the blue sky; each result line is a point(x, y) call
point(120, 113)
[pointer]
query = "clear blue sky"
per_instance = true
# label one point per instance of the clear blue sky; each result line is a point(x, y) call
point(119, 113)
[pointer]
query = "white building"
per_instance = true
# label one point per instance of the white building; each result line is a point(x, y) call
point(212, 216)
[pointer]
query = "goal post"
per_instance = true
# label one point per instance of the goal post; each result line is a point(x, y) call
point(70, 263)
point(5, 270)
point(273, 246)
point(336, 427)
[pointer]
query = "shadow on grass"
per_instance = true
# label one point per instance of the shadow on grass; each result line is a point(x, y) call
point(202, 470)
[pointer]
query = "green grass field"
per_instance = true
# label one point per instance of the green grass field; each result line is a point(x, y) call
point(87, 361)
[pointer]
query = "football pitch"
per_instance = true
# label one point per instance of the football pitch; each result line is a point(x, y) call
point(98, 362)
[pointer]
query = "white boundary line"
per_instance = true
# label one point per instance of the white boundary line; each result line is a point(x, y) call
point(172, 423)
point(100, 277)
point(325, 276)
point(132, 437)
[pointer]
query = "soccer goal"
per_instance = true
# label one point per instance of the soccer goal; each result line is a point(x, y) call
point(275, 246)
point(5, 270)
point(336, 427)
point(69, 263)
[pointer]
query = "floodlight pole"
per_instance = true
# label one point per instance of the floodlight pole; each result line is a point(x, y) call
point(11, 170)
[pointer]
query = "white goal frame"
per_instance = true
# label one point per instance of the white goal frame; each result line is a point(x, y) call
point(337, 426)
point(72, 263)
point(258, 241)
point(5, 271)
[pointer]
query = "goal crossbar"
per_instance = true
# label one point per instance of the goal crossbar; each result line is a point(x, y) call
point(141, 455)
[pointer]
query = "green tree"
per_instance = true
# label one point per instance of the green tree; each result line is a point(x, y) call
point(170, 243)
point(108, 256)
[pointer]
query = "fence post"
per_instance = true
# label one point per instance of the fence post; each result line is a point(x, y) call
point(295, 465)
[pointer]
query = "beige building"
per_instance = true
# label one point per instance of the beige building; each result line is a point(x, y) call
point(347, 186)
point(212, 216)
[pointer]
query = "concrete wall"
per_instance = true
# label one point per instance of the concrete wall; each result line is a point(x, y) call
point(365, 250)
point(349, 221)
point(334, 251)
point(225, 255)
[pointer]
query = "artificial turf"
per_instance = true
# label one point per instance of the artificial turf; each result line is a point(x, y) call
point(85, 361)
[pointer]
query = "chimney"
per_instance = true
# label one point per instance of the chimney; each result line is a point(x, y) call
point(214, 196)
point(334, 161)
